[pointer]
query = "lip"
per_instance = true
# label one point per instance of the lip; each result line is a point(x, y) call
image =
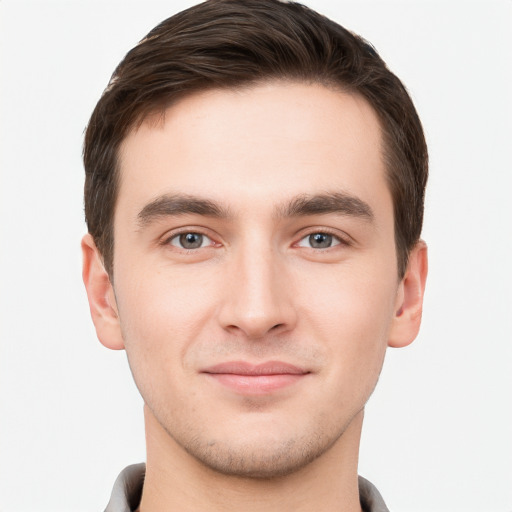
point(255, 379)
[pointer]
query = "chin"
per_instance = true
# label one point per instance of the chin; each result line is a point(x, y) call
point(257, 454)
point(258, 462)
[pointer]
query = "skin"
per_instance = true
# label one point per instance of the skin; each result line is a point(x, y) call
point(255, 290)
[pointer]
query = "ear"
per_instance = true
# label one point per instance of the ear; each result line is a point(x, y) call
point(102, 301)
point(409, 301)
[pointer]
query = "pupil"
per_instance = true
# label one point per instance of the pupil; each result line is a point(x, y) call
point(320, 240)
point(191, 240)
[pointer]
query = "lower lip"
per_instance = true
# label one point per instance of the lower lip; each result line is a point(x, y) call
point(256, 384)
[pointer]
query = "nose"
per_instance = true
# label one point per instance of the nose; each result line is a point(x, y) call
point(257, 296)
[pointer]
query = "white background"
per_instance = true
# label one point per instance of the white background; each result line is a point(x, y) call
point(438, 430)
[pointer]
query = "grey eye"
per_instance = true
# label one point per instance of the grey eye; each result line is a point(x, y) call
point(190, 241)
point(319, 241)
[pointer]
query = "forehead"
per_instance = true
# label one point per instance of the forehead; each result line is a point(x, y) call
point(255, 146)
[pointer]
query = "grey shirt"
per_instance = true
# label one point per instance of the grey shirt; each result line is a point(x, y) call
point(127, 492)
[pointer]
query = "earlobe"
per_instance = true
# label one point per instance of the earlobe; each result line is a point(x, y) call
point(100, 294)
point(409, 303)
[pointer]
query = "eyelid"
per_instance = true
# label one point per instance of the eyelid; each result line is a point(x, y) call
point(343, 238)
point(169, 235)
point(205, 240)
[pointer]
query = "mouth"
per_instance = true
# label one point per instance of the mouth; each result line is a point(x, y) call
point(255, 379)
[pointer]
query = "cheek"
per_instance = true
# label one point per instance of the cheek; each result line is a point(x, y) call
point(359, 297)
point(351, 315)
point(161, 314)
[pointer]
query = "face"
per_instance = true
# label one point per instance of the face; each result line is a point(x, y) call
point(255, 272)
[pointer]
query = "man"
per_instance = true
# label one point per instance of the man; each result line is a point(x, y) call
point(254, 196)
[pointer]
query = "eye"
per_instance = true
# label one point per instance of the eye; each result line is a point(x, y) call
point(190, 241)
point(319, 241)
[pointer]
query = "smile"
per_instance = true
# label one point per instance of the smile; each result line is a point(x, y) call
point(249, 379)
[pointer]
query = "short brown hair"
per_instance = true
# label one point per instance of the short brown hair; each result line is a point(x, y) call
point(234, 43)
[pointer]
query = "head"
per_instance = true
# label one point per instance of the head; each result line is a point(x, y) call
point(254, 196)
point(232, 44)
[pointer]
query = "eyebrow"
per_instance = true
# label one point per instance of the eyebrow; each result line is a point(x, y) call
point(322, 204)
point(179, 204)
point(300, 206)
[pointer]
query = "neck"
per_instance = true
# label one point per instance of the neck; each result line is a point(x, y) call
point(177, 481)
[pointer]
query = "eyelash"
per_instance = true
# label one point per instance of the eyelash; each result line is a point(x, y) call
point(175, 235)
point(340, 241)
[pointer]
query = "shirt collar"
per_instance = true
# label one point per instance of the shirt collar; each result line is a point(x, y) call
point(127, 492)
